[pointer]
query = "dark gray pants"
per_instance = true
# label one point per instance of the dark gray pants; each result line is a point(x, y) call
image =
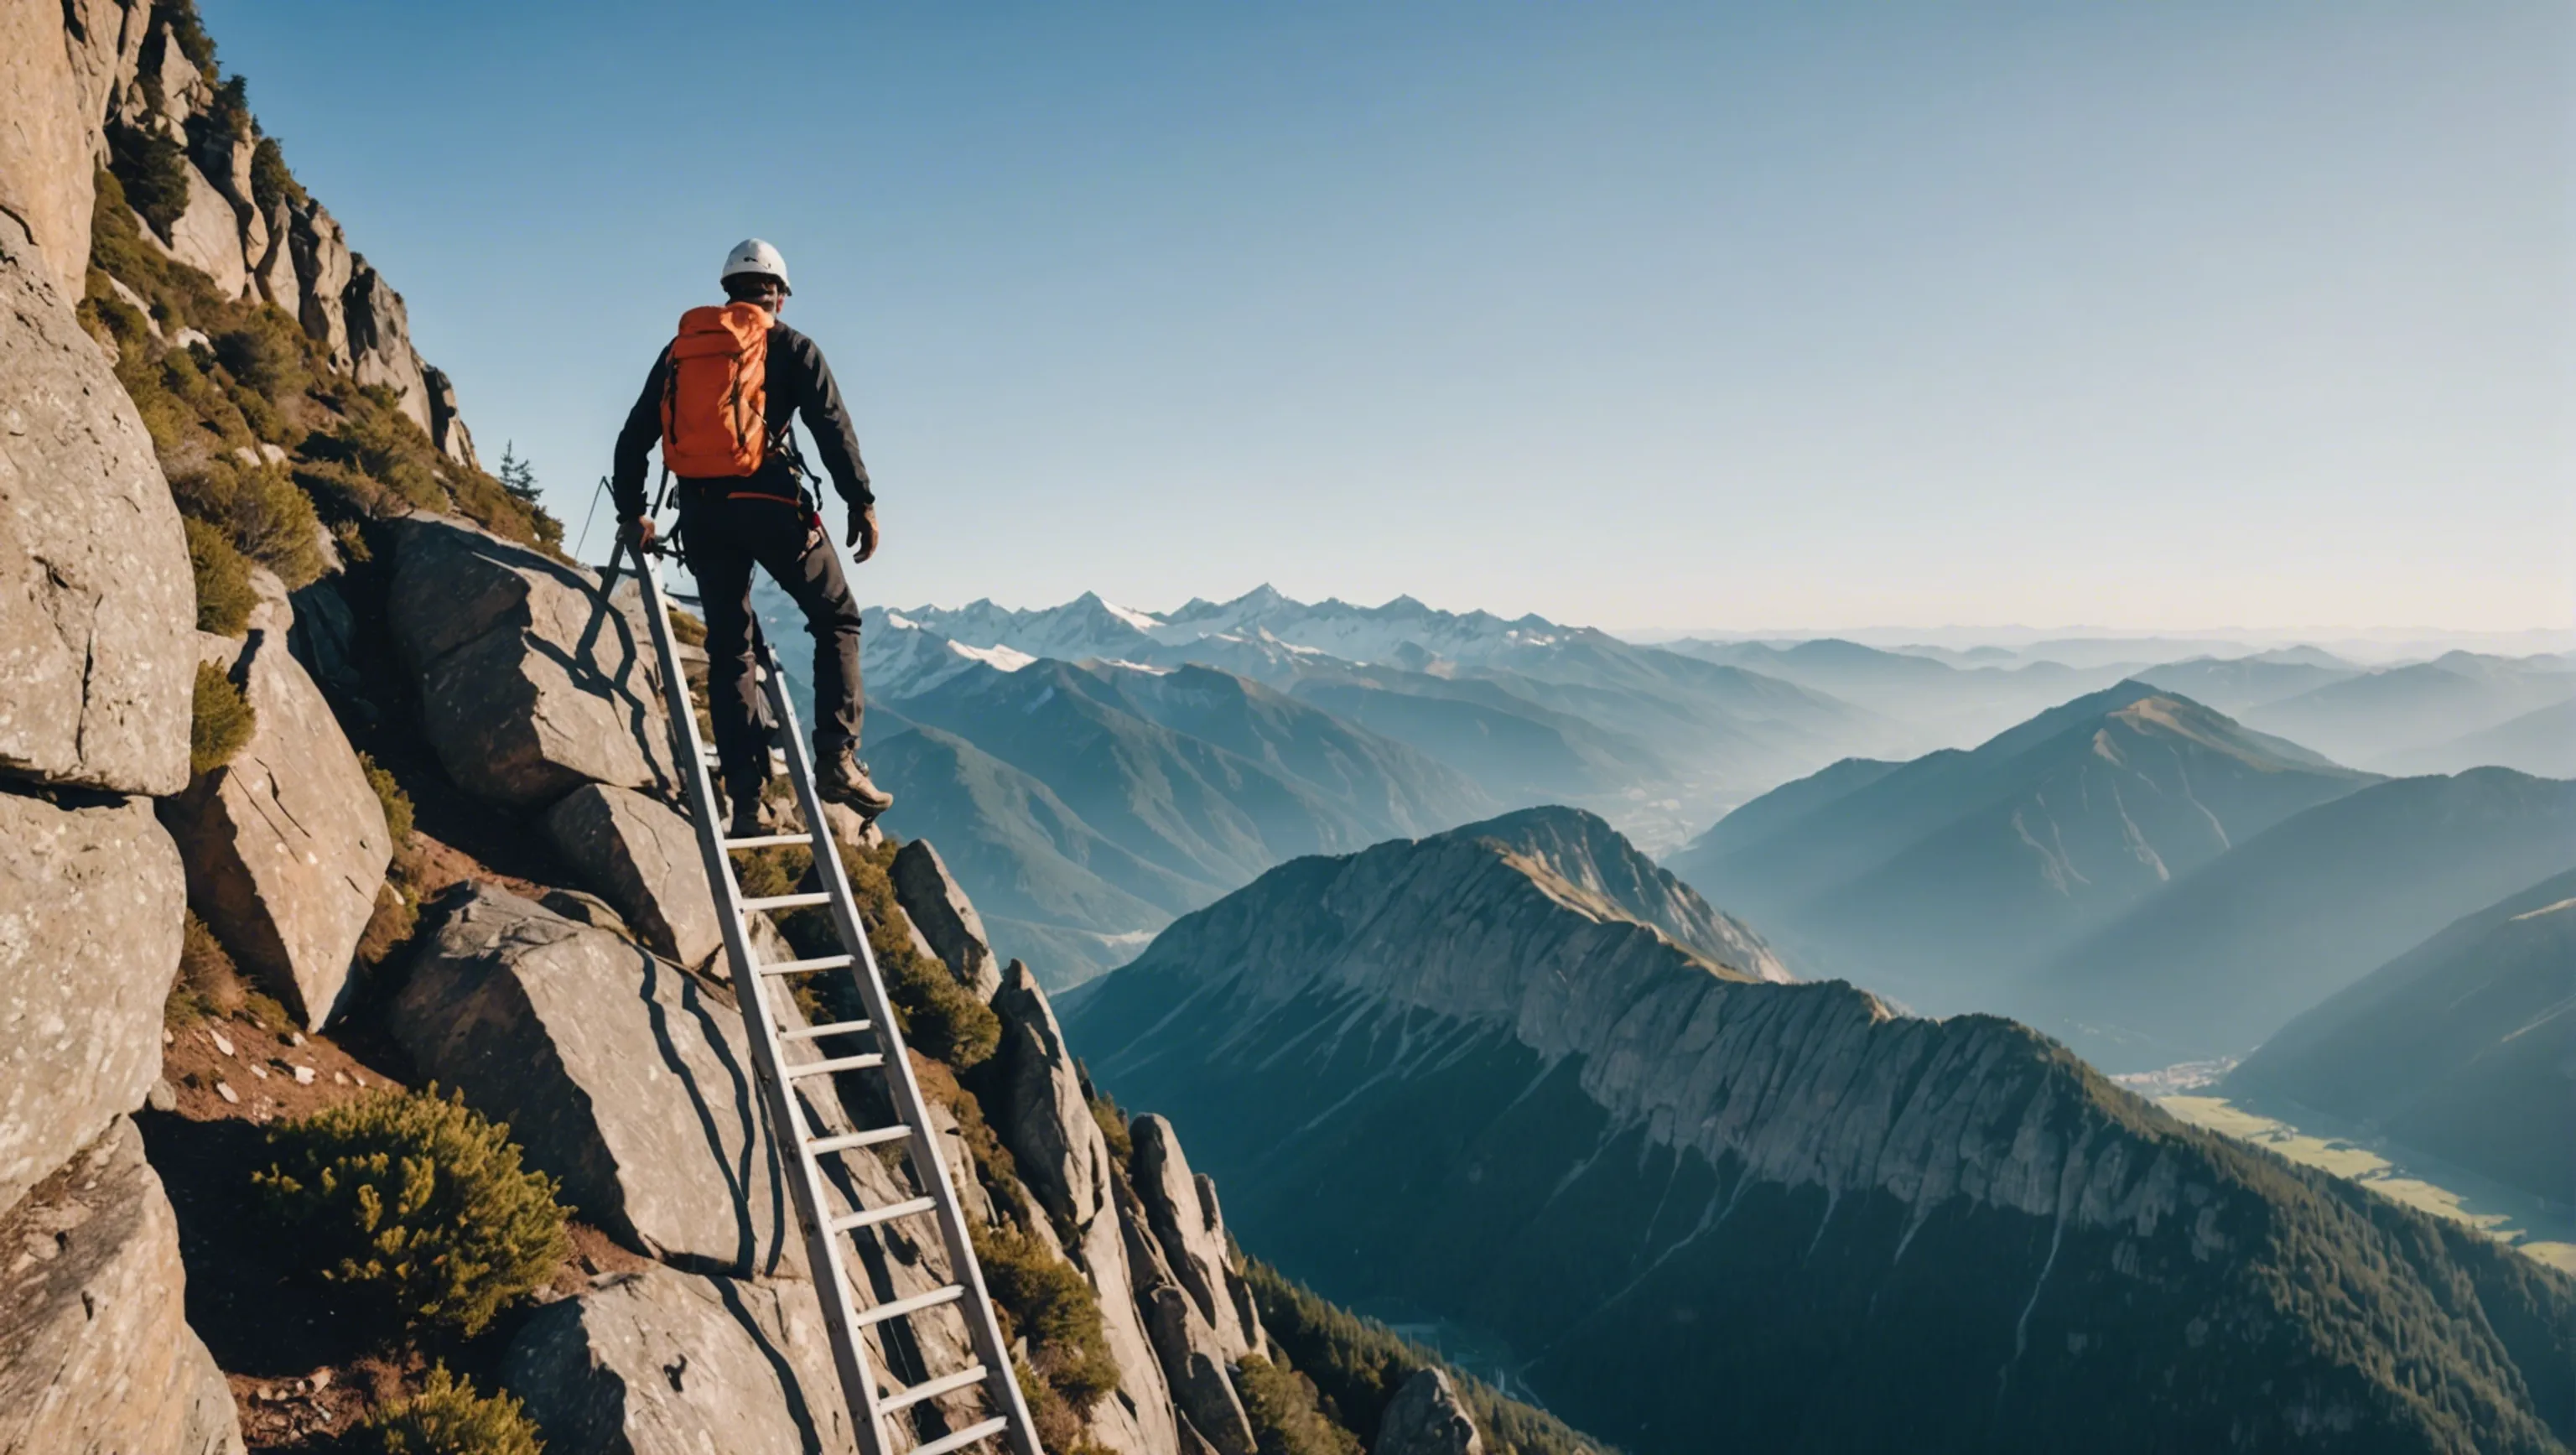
point(724, 540)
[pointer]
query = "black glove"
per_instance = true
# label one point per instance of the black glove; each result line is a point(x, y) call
point(862, 539)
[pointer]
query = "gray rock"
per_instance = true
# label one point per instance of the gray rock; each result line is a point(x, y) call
point(46, 150)
point(97, 603)
point(945, 917)
point(619, 1073)
point(273, 267)
point(531, 684)
point(1181, 1209)
point(207, 236)
point(286, 845)
point(446, 429)
point(587, 909)
point(91, 903)
point(324, 637)
point(96, 1356)
point(380, 350)
point(1047, 1123)
point(1195, 1366)
point(642, 857)
point(668, 1363)
point(323, 266)
point(1426, 1418)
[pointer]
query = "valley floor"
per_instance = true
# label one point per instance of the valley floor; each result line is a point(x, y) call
point(2510, 1216)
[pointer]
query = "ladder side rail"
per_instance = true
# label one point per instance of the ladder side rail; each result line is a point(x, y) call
point(1001, 1383)
point(823, 1248)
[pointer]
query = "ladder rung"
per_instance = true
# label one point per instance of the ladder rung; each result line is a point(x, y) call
point(931, 1389)
point(801, 967)
point(816, 1033)
point(912, 1305)
point(837, 1063)
point(786, 901)
point(770, 841)
point(964, 1437)
point(870, 1217)
point(848, 1140)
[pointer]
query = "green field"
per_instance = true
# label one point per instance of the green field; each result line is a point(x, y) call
point(2510, 1217)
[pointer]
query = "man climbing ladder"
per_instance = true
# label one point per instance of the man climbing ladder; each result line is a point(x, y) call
point(722, 400)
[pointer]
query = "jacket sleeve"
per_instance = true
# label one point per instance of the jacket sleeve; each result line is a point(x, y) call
point(828, 420)
point(634, 442)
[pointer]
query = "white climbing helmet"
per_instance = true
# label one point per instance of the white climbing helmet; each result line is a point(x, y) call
point(751, 255)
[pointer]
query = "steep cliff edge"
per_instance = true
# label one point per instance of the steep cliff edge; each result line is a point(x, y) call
point(1697, 1206)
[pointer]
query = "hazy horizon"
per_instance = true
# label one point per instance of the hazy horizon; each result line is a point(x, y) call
point(1655, 314)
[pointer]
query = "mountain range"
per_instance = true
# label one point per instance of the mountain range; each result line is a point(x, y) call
point(1940, 878)
point(2463, 1047)
point(1100, 769)
point(1491, 1077)
point(2221, 959)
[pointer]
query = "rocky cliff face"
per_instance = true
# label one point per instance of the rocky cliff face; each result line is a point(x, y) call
point(97, 654)
point(1697, 1205)
point(97, 77)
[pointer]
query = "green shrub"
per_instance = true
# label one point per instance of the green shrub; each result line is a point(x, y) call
point(1358, 1364)
point(208, 983)
point(1113, 1126)
point(1281, 1404)
point(154, 171)
point(398, 808)
point(447, 1418)
point(220, 720)
point(1044, 1300)
point(228, 116)
point(190, 33)
point(260, 511)
point(270, 179)
point(266, 353)
point(939, 1017)
point(417, 1206)
point(224, 597)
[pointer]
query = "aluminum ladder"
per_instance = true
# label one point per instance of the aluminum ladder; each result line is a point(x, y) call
point(826, 1241)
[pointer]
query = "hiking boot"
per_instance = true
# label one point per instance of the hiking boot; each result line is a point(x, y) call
point(751, 818)
point(842, 778)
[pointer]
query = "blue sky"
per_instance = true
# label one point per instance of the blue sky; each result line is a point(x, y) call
point(1730, 316)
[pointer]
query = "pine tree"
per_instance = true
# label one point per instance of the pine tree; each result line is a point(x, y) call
point(516, 475)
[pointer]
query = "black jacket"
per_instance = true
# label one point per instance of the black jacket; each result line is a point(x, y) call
point(800, 385)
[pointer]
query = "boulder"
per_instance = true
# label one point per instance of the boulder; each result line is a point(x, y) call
point(380, 350)
point(96, 1356)
point(1046, 1121)
point(446, 428)
point(286, 845)
point(669, 1363)
point(1181, 1210)
point(531, 682)
point(207, 236)
point(641, 856)
point(945, 917)
point(1196, 1366)
point(97, 603)
point(91, 904)
point(1426, 1418)
point(323, 266)
point(274, 266)
point(46, 149)
point(587, 909)
point(324, 638)
point(619, 1073)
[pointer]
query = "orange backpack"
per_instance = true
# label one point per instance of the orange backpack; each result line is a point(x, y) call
point(715, 404)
